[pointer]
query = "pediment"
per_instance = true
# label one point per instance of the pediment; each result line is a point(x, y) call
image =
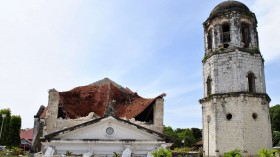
point(108, 128)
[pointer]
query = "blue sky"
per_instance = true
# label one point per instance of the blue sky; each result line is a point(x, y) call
point(152, 47)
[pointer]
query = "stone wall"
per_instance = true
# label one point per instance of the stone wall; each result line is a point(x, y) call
point(158, 115)
point(229, 72)
point(54, 124)
point(37, 134)
point(235, 21)
point(52, 112)
point(243, 131)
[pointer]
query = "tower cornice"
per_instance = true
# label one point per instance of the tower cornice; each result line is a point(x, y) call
point(251, 51)
point(235, 94)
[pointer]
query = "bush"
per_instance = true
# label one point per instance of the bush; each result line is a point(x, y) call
point(17, 151)
point(116, 155)
point(162, 153)
point(68, 153)
point(182, 150)
point(268, 153)
point(233, 153)
point(6, 153)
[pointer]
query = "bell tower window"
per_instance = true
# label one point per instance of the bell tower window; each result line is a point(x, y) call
point(225, 35)
point(251, 82)
point(209, 40)
point(245, 31)
point(209, 86)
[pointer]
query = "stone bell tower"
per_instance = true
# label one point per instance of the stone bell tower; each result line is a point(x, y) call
point(235, 106)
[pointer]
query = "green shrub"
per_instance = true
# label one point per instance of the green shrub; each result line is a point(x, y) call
point(17, 151)
point(233, 153)
point(116, 154)
point(162, 153)
point(6, 153)
point(182, 150)
point(68, 153)
point(268, 153)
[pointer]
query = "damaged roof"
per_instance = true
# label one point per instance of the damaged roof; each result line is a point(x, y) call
point(41, 112)
point(103, 97)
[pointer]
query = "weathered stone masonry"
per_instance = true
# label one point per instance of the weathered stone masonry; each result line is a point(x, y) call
point(100, 99)
point(53, 123)
point(229, 72)
point(235, 106)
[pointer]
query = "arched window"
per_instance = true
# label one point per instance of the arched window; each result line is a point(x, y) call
point(251, 82)
point(209, 85)
point(245, 31)
point(225, 34)
point(209, 40)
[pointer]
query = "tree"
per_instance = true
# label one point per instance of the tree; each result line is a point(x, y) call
point(189, 139)
point(183, 137)
point(15, 125)
point(275, 117)
point(179, 138)
point(177, 142)
point(275, 138)
point(6, 129)
point(168, 131)
point(180, 133)
point(197, 133)
point(11, 129)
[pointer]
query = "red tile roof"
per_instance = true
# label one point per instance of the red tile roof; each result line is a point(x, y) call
point(26, 134)
point(96, 97)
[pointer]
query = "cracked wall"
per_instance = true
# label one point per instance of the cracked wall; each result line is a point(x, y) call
point(242, 131)
point(235, 21)
point(235, 107)
point(53, 123)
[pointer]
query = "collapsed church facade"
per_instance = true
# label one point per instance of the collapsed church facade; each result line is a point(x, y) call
point(100, 118)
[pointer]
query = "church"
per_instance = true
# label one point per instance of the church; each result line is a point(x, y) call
point(102, 118)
